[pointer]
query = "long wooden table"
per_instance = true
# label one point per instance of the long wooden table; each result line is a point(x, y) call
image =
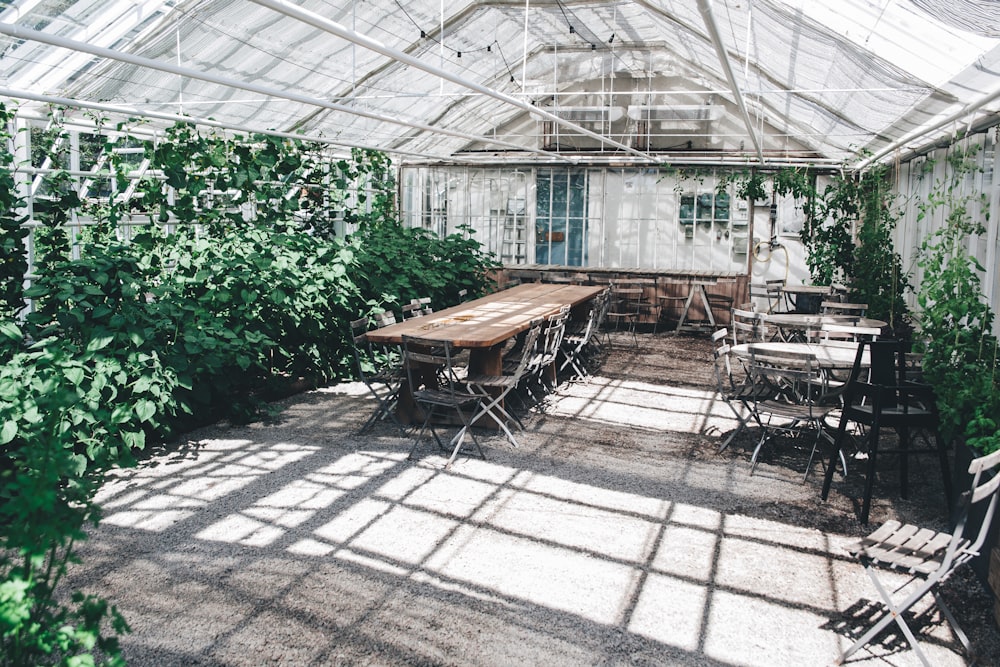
point(485, 324)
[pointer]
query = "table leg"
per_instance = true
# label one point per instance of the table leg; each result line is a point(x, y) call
point(687, 307)
point(708, 307)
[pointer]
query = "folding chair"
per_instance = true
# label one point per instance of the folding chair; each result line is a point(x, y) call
point(576, 342)
point(928, 556)
point(626, 304)
point(381, 371)
point(546, 351)
point(735, 389)
point(791, 404)
point(503, 384)
point(428, 369)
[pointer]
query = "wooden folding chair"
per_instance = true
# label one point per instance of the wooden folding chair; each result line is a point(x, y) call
point(927, 555)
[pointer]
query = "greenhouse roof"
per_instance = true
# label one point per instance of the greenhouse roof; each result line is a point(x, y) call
point(562, 81)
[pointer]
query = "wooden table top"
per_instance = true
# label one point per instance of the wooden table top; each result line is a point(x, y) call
point(839, 355)
point(807, 289)
point(491, 319)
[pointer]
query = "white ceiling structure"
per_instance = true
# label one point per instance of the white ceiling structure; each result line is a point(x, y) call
point(756, 82)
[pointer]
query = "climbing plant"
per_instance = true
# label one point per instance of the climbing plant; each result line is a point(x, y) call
point(13, 254)
point(955, 320)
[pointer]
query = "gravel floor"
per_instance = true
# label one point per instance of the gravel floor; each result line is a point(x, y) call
point(616, 534)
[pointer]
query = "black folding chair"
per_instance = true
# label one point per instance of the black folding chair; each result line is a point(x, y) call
point(381, 370)
point(429, 369)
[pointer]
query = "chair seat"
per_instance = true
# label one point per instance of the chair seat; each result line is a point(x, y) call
point(794, 410)
point(494, 381)
point(445, 398)
point(912, 415)
point(905, 547)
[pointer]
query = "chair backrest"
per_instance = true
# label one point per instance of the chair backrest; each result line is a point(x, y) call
point(384, 319)
point(722, 364)
point(770, 291)
point(853, 332)
point(603, 299)
point(417, 308)
point(792, 374)
point(427, 357)
point(980, 491)
point(361, 347)
point(885, 381)
point(984, 488)
point(547, 346)
point(841, 308)
point(528, 347)
point(368, 361)
point(746, 326)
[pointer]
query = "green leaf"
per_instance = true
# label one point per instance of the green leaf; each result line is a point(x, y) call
point(121, 414)
point(99, 343)
point(7, 432)
point(74, 374)
point(10, 330)
point(134, 439)
point(145, 409)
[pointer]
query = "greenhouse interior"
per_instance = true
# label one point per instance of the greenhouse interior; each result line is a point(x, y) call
point(558, 332)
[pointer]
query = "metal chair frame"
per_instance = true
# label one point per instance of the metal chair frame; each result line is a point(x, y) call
point(791, 406)
point(882, 396)
point(735, 391)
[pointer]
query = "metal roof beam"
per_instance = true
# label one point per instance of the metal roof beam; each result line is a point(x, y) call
point(334, 28)
point(135, 111)
point(19, 32)
point(705, 7)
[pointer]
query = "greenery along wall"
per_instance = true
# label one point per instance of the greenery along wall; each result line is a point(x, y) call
point(179, 280)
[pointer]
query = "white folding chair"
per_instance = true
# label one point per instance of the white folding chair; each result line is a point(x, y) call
point(926, 555)
point(735, 388)
point(791, 405)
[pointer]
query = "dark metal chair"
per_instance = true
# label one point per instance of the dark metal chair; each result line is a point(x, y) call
point(380, 369)
point(882, 396)
point(429, 367)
